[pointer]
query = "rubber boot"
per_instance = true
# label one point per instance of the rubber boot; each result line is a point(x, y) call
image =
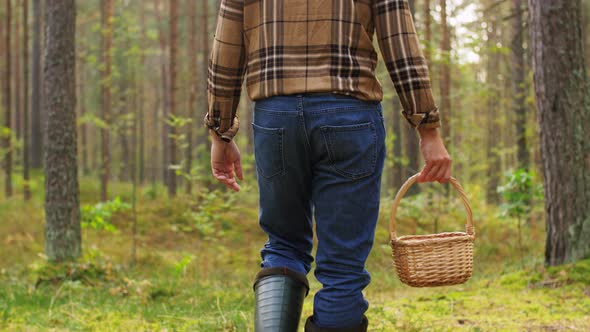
point(311, 327)
point(279, 294)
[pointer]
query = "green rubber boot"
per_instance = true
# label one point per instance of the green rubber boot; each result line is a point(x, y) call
point(279, 294)
point(311, 327)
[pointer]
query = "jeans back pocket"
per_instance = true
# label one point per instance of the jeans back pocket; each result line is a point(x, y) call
point(352, 149)
point(268, 150)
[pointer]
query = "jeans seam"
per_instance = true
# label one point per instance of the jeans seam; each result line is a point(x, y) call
point(342, 109)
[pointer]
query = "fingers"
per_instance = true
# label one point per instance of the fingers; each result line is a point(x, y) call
point(425, 170)
point(238, 167)
point(439, 170)
point(444, 172)
point(444, 175)
point(226, 178)
point(447, 176)
point(430, 170)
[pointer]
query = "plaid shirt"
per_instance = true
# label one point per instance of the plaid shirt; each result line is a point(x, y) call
point(297, 46)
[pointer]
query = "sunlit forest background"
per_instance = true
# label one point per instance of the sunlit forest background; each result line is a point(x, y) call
point(165, 247)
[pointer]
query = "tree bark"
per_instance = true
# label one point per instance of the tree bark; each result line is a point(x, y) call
point(428, 31)
point(194, 74)
point(141, 100)
point(36, 91)
point(204, 66)
point(84, 146)
point(26, 134)
point(445, 72)
point(62, 206)
point(18, 93)
point(563, 107)
point(173, 83)
point(107, 42)
point(7, 102)
point(165, 94)
point(492, 124)
point(518, 84)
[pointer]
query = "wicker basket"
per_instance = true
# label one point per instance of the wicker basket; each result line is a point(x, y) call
point(435, 259)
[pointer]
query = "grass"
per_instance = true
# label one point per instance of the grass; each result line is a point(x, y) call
point(194, 271)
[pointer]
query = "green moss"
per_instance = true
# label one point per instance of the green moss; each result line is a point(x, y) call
point(574, 272)
point(183, 281)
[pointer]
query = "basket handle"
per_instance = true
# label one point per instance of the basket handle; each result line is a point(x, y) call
point(404, 188)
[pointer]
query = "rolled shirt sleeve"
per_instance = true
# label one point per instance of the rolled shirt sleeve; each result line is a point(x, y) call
point(405, 62)
point(226, 69)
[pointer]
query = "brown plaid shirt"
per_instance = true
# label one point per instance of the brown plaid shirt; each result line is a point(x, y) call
point(296, 46)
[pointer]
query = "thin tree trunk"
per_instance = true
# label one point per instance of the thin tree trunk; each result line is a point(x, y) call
point(36, 91)
point(155, 140)
point(165, 95)
point(7, 102)
point(141, 100)
point(428, 32)
point(62, 205)
point(107, 41)
point(445, 84)
point(18, 93)
point(192, 35)
point(518, 84)
point(563, 106)
point(83, 126)
point(173, 82)
point(134, 172)
point(26, 134)
point(204, 65)
point(122, 129)
point(492, 124)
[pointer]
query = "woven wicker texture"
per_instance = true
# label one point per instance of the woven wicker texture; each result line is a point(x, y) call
point(434, 259)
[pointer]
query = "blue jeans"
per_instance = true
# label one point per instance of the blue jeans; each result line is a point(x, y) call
point(321, 155)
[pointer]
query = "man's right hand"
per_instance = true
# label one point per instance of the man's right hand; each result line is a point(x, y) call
point(225, 160)
point(438, 161)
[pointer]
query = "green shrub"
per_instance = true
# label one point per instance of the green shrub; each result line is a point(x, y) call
point(99, 216)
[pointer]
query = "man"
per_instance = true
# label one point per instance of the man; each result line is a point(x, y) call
point(319, 140)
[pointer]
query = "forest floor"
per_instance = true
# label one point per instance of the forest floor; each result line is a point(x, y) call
point(194, 272)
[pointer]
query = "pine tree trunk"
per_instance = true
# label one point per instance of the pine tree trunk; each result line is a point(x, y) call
point(563, 106)
point(492, 123)
point(7, 102)
point(26, 134)
point(36, 93)
point(518, 84)
point(122, 129)
point(445, 72)
point(165, 95)
point(428, 31)
point(192, 35)
point(83, 126)
point(18, 93)
point(204, 66)
point(173, 82)
point(107, 42)
point(62, 206)
point(141, 100)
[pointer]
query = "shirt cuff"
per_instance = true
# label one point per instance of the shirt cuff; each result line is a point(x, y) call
point(428, 119)
point(214, 124)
